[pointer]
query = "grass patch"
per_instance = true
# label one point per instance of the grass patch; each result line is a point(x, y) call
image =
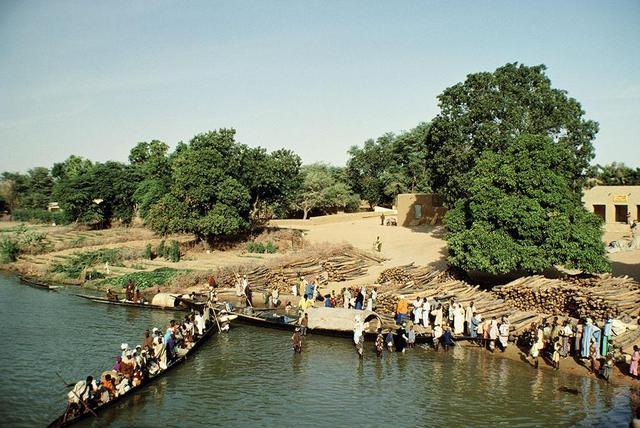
point(75, 265)
point(142, 280)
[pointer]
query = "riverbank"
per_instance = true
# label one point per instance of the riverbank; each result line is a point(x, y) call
point(620, 373)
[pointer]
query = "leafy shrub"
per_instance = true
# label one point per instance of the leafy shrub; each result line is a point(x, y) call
point(81, 261)
point(271, 248)
point(147, 254)
point(160, 249)
point(9, 250)
point(94, 274)
point(157, 277)
point(255, 247)
point(39, 215)
point(174, 252)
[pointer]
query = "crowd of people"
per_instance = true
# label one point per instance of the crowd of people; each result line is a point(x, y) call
point(135, 365)
point(589, 342)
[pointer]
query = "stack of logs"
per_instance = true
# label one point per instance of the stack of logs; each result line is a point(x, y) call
point(597, 299)
point(343, 266)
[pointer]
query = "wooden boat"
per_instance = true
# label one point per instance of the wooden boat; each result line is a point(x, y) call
point(61, 422)
point(145, 305)
point(276, 319)
point(36, 284)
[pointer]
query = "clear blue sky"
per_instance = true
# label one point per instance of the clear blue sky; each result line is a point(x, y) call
point(93, 78)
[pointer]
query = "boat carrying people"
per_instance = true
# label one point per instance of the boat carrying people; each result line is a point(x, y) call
point(137, 366)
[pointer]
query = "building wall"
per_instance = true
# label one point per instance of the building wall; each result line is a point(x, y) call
point(609, 197)
point(419, 208)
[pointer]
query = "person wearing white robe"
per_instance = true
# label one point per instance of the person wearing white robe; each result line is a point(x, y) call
point(159, 351)
point(358, 335)
point(468, 316)
point(417, 310)
point(437, 314)
point(458, 320)
point(200, 324)
point(503, 330)
point(493, 334)
point(426, 310)
point(374, 297)
point(238, 286)
point(370, 301)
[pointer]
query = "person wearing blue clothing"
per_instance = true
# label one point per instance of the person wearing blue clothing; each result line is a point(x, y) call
point(447, 338)
point(309, 289)
point(327, 301)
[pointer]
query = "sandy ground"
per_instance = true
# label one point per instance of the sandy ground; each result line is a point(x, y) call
point(422, 245)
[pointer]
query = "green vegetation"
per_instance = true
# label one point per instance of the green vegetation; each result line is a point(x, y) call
point(260, 248)
point(511, 120)
point(488, 111)
point(220, 188)
point(148, 253)
point(390, 165)
point(161, 249)
point(173, 253)
point(79, 262)
point(324, 190)
point(523, 215)
point(40, 215)
point(614, 174)
point(142, 280)
point(9, 250)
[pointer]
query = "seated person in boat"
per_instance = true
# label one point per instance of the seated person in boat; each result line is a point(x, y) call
point(109, 384)
point(127, 365)
point(111, 296)
point(137, 297)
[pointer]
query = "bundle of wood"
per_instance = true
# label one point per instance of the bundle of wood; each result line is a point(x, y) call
point(386, 304)
point(563, 298)
point(343, 266)
point(396, 275)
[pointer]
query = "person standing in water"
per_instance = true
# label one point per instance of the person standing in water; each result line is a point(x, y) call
point(296, 341)
point(379, 343)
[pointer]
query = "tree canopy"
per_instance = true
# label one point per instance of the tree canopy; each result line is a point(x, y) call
point(614, 174)
point(521, 213)
point(324, 189)
point(219, 186)
point(389, 165)
point(488, 110)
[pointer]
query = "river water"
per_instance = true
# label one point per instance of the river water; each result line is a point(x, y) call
point(250, 377)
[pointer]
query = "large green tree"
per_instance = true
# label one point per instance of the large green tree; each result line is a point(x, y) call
point(389, 165)
point(488, 110)
point(613, 174)
point(218, 186)
point(99, 193)
point(521, 213)
point(152, 162)
point(323, 189)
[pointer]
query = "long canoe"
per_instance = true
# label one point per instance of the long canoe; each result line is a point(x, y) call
point(265, 319)
point(61, 422)
point(145, 305)
point(279, 324)
point(36, 284)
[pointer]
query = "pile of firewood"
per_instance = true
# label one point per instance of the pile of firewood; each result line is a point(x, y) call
point(557, 297)
point(347, 265)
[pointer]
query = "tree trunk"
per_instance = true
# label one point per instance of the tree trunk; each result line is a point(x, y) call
point(306, 212)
